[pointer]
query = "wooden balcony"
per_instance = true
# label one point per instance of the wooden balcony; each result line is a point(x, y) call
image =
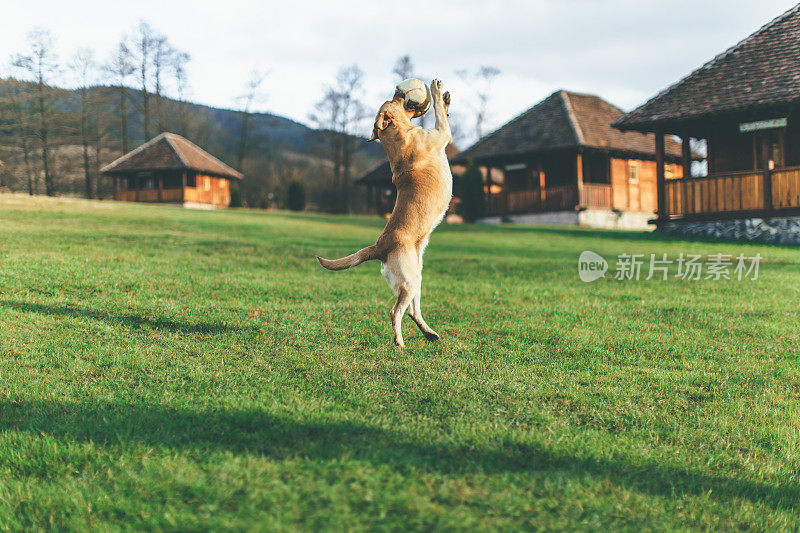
point(596, 196)
point(731, 194)
point(148, 195)
point(533, 200)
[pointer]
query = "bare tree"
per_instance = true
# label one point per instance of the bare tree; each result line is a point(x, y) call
point(339, 114)
point(120, 67)
point(481, 80)
point(250, 96)
point(83, 66)
point(20, 99)
point(144, 50)
point(178, 64)
point(403, 68)
point(326, 117)
point(40, 64)
point(163, 54)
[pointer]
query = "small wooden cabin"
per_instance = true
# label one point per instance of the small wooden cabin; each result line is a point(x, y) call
point(741, 103)
point(381, 192)
point(171, 169)
point(562, 162)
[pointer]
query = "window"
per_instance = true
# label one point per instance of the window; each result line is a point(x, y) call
point(191, 180)
point(633, 172)
point(206, 183)
point(172, 181)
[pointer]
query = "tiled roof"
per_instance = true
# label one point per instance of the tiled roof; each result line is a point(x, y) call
point(564, 120)
point(170, 152)
point(761, 71)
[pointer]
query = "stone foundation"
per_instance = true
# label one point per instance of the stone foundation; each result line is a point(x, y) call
point(590, 218)
point(608, 219)
point(784, 230)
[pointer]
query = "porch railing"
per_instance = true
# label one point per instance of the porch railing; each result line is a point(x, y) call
point(596, 196)
point(148, 195)
point(533, 200)
point(733, 192)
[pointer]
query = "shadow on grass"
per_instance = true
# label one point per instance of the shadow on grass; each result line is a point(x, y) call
point(281, 437)
point(130, 320)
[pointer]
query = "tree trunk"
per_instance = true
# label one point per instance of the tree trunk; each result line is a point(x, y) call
point(85, 141)
point(23, 137)
point(49, 187)
point(98, 138)
point(346, 164)
point(159, 106)
point(146, 106)
point(243, 149)
point(123, 114)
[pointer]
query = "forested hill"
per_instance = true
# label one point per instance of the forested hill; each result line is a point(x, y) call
point(278, 148)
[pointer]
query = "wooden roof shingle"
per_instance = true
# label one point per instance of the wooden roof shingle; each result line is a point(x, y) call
point(563, 120)
point(170, 152)
point(761, 71)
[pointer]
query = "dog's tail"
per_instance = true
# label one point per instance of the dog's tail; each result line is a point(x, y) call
point(365, 254)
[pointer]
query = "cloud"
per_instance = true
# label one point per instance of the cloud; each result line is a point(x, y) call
point(623, 50)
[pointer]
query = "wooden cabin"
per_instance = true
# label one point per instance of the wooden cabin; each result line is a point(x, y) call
point(171, 169)
point(741, 104)
point(381, 192)
point(562, 162)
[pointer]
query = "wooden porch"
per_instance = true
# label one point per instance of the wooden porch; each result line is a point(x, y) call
point(562, 198)
point(734, 194)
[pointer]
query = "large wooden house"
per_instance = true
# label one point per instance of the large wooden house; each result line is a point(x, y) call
point(171, 169)
point(562, 162)
point(742, 104)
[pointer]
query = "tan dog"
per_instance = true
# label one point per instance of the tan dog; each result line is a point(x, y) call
point(421, 173)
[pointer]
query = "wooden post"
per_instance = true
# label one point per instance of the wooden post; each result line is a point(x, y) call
point(373, 202)
point(686, 156)
point(542, 182)
point(661, 208)
point(686, 153)
point(138, 180)
point(505, 192)
point(160, 189)
point(765, 155)
point(183, 187)
point(579, 168)
point(489, 190)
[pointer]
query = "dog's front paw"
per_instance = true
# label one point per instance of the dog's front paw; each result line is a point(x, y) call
point(446, 98)
point(436, 89)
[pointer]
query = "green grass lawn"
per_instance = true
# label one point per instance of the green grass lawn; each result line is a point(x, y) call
point(170, 369)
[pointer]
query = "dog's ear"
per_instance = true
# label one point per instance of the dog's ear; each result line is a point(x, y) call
point(382, 122)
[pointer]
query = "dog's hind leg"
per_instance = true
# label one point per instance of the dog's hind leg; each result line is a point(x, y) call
point(403, 301)
point(415, 312)
point(401, 271)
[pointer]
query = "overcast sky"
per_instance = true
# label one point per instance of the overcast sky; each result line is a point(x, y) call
point(622, 50)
